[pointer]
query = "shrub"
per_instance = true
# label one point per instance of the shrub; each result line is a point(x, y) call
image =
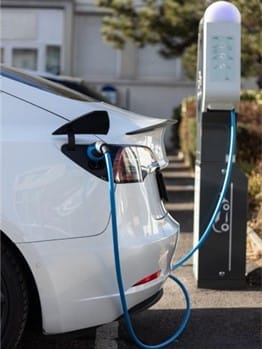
point(251, 96)
point(187, 131)
point(175, 127)
point(249, 136)
point(255, 186)
point(255, 200)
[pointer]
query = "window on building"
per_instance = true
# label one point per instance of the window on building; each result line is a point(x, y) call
point(24, 58)
point(2, 59)
point(53, 54)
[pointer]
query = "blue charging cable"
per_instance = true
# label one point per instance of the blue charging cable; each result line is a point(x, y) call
point(119, 272)
point(204, 236)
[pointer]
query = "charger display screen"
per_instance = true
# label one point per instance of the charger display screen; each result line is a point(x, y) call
point(221, 58)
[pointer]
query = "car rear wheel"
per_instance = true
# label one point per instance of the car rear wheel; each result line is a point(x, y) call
point(14, 299)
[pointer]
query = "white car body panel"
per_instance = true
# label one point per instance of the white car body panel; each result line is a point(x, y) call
point(58, 214)
point(77, 284)
point(44, 193)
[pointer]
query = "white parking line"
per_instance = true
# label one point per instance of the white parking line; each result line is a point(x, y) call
point(106, 336)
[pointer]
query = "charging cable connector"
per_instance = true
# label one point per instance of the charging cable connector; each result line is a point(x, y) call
point(95, 152)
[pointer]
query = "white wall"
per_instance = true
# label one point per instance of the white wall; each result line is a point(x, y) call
point(146, 83)
point(92, 59)
point(30, 29)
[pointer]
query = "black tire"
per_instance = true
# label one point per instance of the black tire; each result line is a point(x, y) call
point(14, 299)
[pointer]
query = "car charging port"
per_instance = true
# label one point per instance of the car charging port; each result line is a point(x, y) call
point(96, 160)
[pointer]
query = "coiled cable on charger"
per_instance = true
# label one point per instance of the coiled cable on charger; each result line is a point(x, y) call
point(101, 147)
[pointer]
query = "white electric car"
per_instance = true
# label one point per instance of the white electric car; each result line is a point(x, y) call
point(56, 235)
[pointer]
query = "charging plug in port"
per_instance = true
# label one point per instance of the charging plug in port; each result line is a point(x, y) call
point(95, 158)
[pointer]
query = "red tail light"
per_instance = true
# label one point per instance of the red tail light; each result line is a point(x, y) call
point(133, 163)
point(148, 278)
point(126, 166)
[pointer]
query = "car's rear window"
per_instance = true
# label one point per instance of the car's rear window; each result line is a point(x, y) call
point(43, 84)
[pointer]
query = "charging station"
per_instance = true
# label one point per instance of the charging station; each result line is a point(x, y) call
point(220, 263)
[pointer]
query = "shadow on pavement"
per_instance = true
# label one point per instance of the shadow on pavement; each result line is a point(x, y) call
point(225, 328)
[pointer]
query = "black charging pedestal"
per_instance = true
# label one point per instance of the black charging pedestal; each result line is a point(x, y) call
point(220, 262)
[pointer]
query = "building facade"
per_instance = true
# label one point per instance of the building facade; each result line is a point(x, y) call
point(64, 37)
